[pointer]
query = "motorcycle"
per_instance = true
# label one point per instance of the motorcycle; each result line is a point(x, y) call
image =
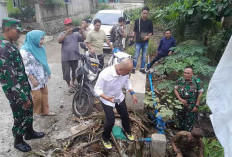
point(86, 76)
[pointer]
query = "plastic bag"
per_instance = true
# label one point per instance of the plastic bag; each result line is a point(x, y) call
point(118, 134)
point(219, 99)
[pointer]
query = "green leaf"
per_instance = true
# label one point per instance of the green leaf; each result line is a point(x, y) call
point(205, 16)
point(178, 106)
point(190, 11)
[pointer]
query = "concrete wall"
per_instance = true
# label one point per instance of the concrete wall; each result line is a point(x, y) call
point(50, 19)
point(80, 7)
point(47, 13)
point(3, 11)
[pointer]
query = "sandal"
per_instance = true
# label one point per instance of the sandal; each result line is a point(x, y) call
point(71, 90)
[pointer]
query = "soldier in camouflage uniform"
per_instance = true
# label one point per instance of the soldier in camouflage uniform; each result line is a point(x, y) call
point(188, 144)
point(188, 90)
point(15, 85)
point(118, 32)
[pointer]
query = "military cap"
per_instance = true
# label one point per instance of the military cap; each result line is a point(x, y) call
point(11, 22)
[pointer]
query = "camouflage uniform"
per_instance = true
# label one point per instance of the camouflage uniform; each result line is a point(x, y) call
point(15, 86)
point(118, 32)
point(188, 90)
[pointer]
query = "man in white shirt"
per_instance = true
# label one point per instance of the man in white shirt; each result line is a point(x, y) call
point(109, 88)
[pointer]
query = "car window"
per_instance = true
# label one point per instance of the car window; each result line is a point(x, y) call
point(108, 18)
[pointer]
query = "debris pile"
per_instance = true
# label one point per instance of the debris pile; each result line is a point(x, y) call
point(86, 139)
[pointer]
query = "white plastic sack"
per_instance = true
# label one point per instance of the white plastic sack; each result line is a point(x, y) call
point(219, 99)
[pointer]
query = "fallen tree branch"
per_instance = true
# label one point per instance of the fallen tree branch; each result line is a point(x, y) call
point(92, 142)
point(116, 145)
point(140, 124)
point(136, 121)
point(157, 91)
point(73, 137)
point(93, 116)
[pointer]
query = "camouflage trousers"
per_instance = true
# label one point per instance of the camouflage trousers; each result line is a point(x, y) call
point(23, 119)
point(187, 118)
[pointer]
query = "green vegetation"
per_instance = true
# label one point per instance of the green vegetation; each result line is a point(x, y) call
point(77, 22)
point(133, 14)
point(203, 35)
point(159, 3)
point(130, 50)
point(26, 9)
point(202, 32)
point(54, 2)
point(198, 20)
point(152, 47)
point(11, 9)
point(212, 148)
point(173, 67)
point(167, 104)
point(101, 6)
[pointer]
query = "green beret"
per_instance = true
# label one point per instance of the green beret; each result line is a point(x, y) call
point(11, 22)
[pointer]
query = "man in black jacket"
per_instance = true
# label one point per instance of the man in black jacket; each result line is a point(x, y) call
point(143, 30)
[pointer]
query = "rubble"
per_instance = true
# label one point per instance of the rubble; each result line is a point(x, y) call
point(85, 138)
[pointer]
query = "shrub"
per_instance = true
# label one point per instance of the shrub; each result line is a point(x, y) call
point(55, 2)
point(76, 22)
point(191, 19)
point(16, 15)
point(187, 53)
point(133, 14)
point(101, 6)
point(130, 50)
point(152, 48)
point(212, 148)
point(217, 44)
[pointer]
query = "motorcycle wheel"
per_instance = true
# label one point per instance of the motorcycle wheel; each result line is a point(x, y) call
point(85, 106)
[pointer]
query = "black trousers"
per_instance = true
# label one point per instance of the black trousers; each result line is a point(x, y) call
point(157, 57)
point(110, 119)
point(101, 61)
